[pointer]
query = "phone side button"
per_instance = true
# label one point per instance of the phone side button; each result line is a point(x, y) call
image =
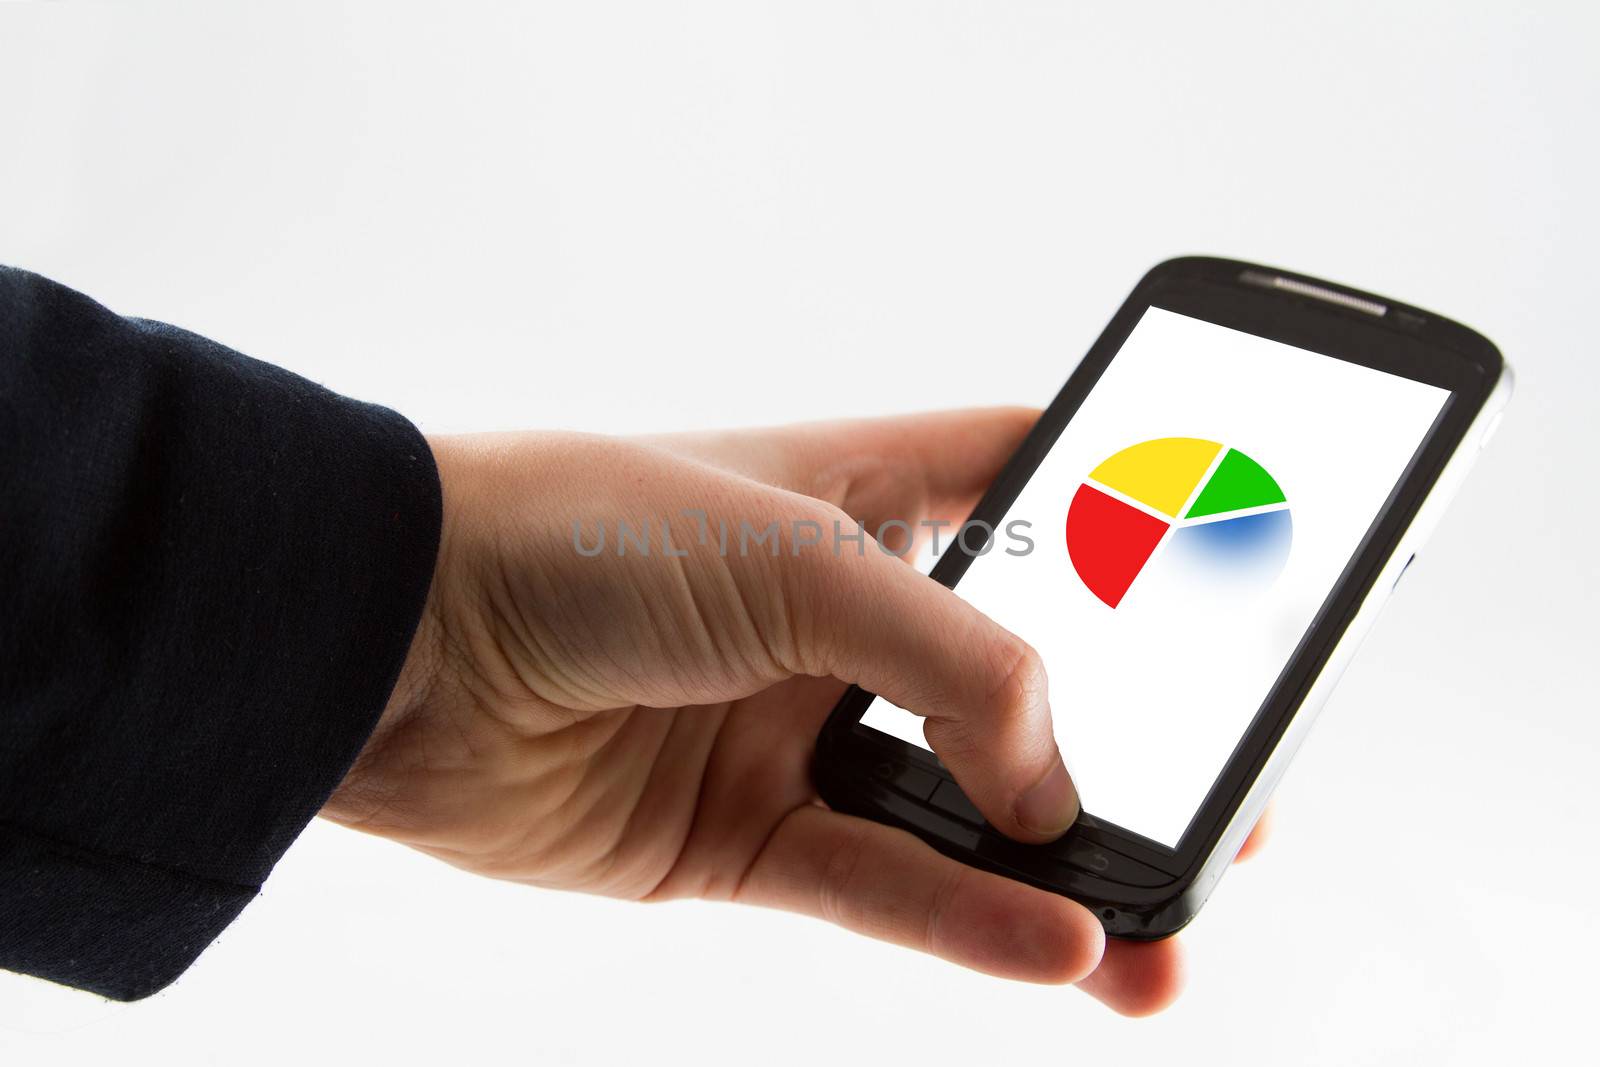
point(907, 779)
point(1491, 427)
point(950, 799)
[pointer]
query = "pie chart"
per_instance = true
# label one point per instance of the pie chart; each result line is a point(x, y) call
point(1211, 514)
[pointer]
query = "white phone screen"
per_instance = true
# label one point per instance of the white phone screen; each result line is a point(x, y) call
point(1175, 545)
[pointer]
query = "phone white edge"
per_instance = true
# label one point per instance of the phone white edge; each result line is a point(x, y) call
point(1422, 525)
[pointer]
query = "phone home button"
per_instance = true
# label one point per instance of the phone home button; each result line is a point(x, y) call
point(907, 779)
point(949, 799)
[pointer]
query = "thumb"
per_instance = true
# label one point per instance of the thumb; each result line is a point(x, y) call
point(900, 467)
point(872, 620)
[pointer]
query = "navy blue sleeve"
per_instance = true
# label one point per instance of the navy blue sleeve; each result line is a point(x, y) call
point(210, 573)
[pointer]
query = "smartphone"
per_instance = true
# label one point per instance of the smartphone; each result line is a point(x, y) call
point(1195, 536)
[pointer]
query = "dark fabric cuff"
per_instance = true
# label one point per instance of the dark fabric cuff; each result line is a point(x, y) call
point(109, 926)
point(211, 572)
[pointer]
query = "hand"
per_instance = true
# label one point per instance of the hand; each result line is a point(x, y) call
point(640, 725)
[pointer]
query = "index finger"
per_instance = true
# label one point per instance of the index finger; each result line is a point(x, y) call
point(884, 883)
point(871, 620)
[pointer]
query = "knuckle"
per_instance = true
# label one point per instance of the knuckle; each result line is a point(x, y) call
point(1019, 681)
point(955, 740)
point(824, 589)
point(939, 910)
point(834, 894)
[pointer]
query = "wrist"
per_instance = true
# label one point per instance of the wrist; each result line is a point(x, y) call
point(363, 792)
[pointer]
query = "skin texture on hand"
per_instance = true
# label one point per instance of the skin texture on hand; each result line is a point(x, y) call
point(641, 725)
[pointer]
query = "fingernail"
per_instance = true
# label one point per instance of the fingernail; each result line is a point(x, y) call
point(1051, 805)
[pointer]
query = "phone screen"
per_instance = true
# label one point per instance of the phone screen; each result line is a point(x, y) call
point(1176, 543)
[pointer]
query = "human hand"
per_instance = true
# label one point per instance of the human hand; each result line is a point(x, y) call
point(641, 725)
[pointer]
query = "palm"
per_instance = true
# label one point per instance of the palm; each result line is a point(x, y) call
point(668, 802)
point(756, 773)
point(644, 729)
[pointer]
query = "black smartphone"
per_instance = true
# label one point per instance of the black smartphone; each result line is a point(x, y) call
point(1195, 536)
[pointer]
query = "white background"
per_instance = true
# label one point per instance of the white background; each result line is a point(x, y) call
point(1150, 698)
point(670, 214)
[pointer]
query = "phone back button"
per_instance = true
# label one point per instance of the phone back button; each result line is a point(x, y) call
point(1112, 866)
point(1090, 857)
point(949, 799)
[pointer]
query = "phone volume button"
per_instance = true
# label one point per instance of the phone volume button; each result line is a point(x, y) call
point(1404, 569)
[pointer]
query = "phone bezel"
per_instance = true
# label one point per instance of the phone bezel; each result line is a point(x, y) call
point(1403, 340)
